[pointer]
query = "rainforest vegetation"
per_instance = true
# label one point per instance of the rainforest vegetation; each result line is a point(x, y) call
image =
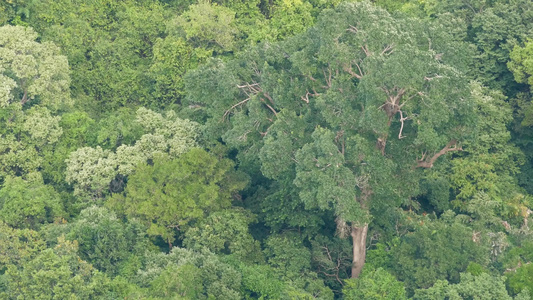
point(266, 149)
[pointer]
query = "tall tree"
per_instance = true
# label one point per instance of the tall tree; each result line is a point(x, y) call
point(346, 114)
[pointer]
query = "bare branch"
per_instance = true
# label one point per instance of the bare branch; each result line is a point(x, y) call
point(340, 138)
point(431, 78)
point(366, 51)
point(392, 104)
point(247, 85)
point(359, 68)
point(310, 77)
point(256, 69)
point(428, 163)
point(268, 97)
point(351, 72)
point(388, 50)
point(25, 98)
point(235, 106)
point(307, 94)
point(353, 29)
point(402, 119)
point(423, 156)
point(270, 107)
point(251, 90)
point(328, 77)
point(243, 136)
point(336, 269)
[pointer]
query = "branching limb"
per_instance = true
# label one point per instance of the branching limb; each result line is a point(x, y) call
point(307, 94)
point(388, 50)
point(340, 138)
point(235, 106)
point(352, 29)
point(256, 69)
point(348, 68)
point(251, 90)
point(366, 51)
point(428, 163)
point(247, 85)
point(335, 270)
point(392, 105)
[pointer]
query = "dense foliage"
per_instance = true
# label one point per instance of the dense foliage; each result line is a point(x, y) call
point(254, 149)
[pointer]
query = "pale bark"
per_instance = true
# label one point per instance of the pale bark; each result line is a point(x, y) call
point(428, 162)
point(359, 249)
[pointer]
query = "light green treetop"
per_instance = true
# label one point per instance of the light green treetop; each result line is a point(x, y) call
point(18, 246)
point(42, 127)
point(374, 284)
point(225, 231)
point(482, 286)
point(24, 138)
point(186, 274)
point(30, 70)
point(521, 63)
point(92, 169)
point(207, 25)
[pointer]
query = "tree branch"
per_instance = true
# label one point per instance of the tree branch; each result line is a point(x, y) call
point(388, 50)
point(269, 98)
point(307, 94)
point(428, 163)
point(353, 29)
point(251, 90)
point(327, 78)
point(402, 119)
point(235, 106)
point(431, 78)
point(270, 107)
point(366, 51)
point(351, 72)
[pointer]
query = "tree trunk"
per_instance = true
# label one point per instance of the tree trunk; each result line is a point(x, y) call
point(359, 249)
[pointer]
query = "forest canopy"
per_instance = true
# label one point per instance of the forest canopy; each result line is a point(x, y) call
point(281, 149)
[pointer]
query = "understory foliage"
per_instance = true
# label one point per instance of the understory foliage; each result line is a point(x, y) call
point(281, 149)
